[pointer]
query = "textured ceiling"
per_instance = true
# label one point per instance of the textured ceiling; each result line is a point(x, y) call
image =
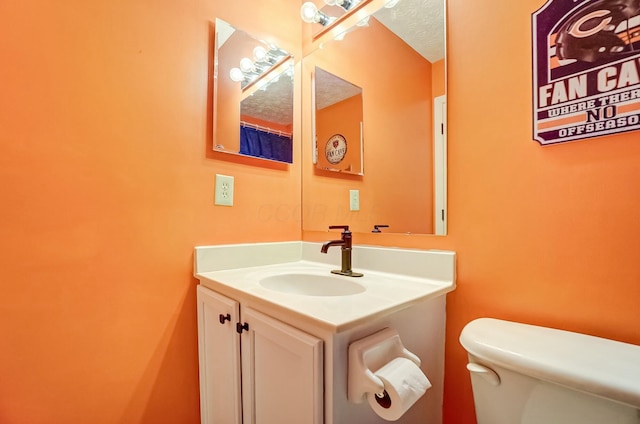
point(331, 89)
point(272, 105)
point(420, 23)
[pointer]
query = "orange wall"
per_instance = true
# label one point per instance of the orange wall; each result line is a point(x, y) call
point(395, 156)
point(543, 235)
point(285, 128)
point(438, 79)
point(107, 185)
point(105, 138)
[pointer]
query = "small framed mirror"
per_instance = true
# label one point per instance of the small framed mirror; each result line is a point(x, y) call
point(338, 126)
point(253, 96)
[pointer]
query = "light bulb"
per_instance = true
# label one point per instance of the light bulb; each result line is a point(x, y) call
point(259, 54)
point(246, 65)
point(236, 74)
point(308, 12)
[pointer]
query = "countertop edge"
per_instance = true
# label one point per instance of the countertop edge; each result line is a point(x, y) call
point(241, 296)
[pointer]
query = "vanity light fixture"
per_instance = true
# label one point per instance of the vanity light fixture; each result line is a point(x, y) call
point(310, 13)
point(246, 72)
point(246, 65)
point(260, 54)
point(236, 75)
point(252, 71)
point(345, 4)
point(271, 56)
point(249, 70)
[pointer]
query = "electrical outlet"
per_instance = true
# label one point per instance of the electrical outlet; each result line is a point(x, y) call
point(354, 200)
point(224, 190)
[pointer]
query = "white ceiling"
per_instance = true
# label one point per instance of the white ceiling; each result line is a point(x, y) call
point(420, 23)
point(274, 105)
point(330, 89)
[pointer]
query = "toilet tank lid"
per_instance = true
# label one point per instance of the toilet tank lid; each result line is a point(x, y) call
point(590, 364)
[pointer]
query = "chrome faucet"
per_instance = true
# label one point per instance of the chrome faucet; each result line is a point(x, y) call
point(345, 247)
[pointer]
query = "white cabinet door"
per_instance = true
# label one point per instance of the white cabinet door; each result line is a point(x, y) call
point(219, 352)
point(282, 369)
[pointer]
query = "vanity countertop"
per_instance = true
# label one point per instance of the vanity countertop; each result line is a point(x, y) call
point(385, 292)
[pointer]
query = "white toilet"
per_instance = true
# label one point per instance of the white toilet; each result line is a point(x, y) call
point(524, 374)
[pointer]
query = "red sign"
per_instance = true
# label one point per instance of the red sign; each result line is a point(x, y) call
point(335, 149)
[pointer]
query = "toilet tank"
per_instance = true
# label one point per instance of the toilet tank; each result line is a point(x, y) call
point(535, 375)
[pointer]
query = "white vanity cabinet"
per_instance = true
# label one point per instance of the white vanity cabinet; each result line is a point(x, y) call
point(252, 365)
point(290, 364)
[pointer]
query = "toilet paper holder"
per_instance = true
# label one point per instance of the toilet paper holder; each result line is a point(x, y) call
point(368, 355)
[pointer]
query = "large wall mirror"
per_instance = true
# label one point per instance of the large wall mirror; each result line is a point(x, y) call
point(395, 53)
point(253, 96)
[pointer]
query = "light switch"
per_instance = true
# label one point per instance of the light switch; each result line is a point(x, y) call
point(354, 200)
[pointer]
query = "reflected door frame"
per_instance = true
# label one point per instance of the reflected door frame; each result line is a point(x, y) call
point(440, 164)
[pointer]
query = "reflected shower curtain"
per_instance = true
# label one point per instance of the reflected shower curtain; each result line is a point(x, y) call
point(266, 145)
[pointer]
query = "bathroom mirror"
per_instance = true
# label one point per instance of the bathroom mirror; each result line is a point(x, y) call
point(253, 96)
point(338, 123)
point(397, 58)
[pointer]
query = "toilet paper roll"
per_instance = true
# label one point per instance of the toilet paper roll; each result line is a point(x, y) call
point(404, 384)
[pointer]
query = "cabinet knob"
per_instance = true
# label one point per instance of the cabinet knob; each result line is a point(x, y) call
point(224, 318)
point(241, 327)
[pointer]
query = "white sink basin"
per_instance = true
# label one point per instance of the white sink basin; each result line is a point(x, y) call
point(312, 284)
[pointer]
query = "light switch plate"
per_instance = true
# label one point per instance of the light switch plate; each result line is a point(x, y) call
point(224, 190)
point(354, 200)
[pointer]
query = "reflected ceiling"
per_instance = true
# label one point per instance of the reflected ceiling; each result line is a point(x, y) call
point(420, 23)
point(274, 106)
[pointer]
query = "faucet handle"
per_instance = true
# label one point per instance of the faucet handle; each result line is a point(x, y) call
point(376, 228)
point(345, 228)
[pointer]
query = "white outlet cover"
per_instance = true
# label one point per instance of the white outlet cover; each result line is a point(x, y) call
point(224, 190)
